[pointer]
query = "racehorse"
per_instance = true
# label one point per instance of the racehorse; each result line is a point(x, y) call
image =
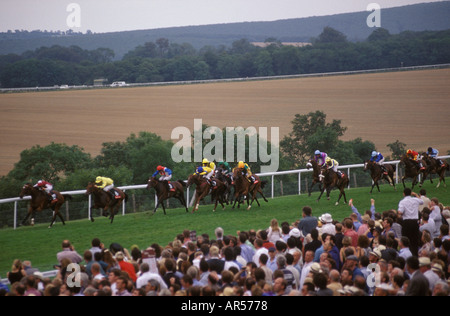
point(163, 193)
point(243, 188)
point(312, 163)
point(412, 171)
point(226, 179)
point(41, 201)
point(377, 173)
point(435, 168)
point(330, 180)
point(104, 200)
point(203, 188)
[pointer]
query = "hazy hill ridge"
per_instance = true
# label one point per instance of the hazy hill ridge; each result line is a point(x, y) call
point(420, 17)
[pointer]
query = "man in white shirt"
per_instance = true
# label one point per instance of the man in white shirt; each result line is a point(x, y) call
point(259, 251)
point(146, 276)
point(408, 209)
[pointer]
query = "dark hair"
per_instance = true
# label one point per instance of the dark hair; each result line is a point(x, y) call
point(413, 263)
point(307, 210)
point(407, 192)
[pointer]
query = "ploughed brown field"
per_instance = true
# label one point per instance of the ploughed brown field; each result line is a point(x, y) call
point(412, 106)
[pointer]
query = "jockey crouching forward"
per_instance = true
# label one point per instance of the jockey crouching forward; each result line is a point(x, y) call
point(320, 157)
point(107, 184)
point(415, 156)
point(434, 153)
point(165, 176)
point(333, 164)
point(379, 159)
point(48, 188)
point(207, 170)
point(247, 171)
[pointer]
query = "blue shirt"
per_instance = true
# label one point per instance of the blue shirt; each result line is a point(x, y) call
point(307, 224)
point(377, 158)
point(434, 153)
point(166, 172)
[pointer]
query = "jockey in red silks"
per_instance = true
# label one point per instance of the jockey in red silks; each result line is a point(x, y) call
point(48, 188)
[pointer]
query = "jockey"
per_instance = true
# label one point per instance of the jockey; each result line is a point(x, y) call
point(48, 188)
point(434, 153)
point(320, 157)
point(107, 184)
point(165, 175)
point(414, 156)
point(379, 159)
point(205, 172)
point(208, 168)
point(225, 166)
point(247, 171)
point(333, 164)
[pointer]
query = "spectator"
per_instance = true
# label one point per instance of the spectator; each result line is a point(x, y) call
point(97, 246)
point(308, 223)
point(68, 252)
point(405, 251)
point(350, 232)
point(17, 272)
point(126, 266)
point(418, 286)
point(408, 208)
point(122, 290)
point(274, 232)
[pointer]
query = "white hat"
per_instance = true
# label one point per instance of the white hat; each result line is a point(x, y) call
point(326, 218)
point(295, 232)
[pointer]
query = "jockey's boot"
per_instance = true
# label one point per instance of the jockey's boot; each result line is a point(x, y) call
point(114, 194)
point(171, 187)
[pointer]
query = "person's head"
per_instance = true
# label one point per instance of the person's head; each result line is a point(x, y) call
point(121, 283)
point(279, 286)
point(412, 264)
point(407, 192)
point(307, 211)
point(66, 244)
point(96, 242)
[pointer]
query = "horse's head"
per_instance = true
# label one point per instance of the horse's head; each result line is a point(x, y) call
point(90, 188)
point(368, 165)
point(152, 182)
point(26, 190)
point(193, 179)
point(237, 173)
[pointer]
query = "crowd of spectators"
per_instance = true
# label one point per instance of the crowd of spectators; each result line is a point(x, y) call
point(394, 253)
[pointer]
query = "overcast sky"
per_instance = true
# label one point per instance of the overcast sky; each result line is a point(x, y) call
point(119, 15)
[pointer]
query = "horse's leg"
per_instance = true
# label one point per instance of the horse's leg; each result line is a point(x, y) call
point(30, 210)
point(373, 186)
point(321, 193)
point(163, 207)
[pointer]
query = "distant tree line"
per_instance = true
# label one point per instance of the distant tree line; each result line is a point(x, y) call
point(162, 61)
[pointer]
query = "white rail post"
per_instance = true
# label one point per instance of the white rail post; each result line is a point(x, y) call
point(15, 215)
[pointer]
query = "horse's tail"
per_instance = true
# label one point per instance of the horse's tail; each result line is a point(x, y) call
point(263, 184)
point(126, 197)
point(394, 167)
point(182, 183)
point(67, 197)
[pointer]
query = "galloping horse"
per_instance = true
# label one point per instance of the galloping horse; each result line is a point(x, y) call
point(163, 193)
point(203, 189)
point(312, 163)
point(412, 171)
point(243, 188)
point(331, 180)
point(435, 168)
point(104, 200)
point(377, 173)
point(40, 201)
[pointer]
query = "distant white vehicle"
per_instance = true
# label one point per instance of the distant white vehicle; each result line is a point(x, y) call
point(119, 84)
point(64, 86)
